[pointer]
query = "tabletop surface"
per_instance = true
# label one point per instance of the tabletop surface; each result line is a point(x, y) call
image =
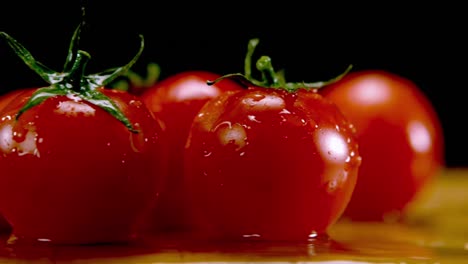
point(435, 231)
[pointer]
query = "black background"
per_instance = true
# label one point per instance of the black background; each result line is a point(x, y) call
point(312, 42)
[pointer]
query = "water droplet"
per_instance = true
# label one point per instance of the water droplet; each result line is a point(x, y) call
point(332, 185)
point(135, 103)
point(253, 118)
point(352, 128)
point(7, 117)
point(251, 235)
point(313, 234)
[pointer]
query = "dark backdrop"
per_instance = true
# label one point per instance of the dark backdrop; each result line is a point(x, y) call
point(310, 41)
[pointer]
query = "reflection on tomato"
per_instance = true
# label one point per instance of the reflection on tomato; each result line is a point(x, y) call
point(400, 141)
point(269, 164)
point(175, 101)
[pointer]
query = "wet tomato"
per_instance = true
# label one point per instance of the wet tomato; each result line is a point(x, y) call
point(5, 100)
point(274, 161)
point(400, 141)
point(176, 100)
point(80, 163)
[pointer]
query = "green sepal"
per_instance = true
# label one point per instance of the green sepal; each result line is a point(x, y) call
point(270, 77)
point(49, 75)
point(104, 78)
point(39, 96)
point(99, 99)
point(73, 80)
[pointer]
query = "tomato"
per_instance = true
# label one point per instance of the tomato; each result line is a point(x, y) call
point(81, 164)
point(5, 99)
point(176, 100)
point(400, 141)
point(269, 162)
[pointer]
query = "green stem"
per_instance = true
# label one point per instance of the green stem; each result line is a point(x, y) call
point(77, 71)
point(271, 78)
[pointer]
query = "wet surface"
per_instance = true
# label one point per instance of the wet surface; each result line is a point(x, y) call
point(435, 231)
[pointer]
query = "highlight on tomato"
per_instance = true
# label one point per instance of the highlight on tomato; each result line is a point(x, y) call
point(274, 161)
point(400, 140)
point(81, 163)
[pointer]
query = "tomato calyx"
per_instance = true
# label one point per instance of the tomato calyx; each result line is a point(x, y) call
point(72, 81)
point(270, 77)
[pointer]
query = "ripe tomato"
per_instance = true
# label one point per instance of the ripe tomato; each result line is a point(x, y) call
point(271, 162)
point(80, 163)
point(176, 100)
point(400, 141)
point(5, 99)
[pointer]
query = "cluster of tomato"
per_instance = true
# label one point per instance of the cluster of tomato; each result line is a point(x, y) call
point(227, 157)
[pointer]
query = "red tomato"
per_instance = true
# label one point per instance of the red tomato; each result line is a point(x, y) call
point(80, 163)
point(5, 99)
point(176, 100)
point(269, 164)
point(400, 141)
point(72, 173)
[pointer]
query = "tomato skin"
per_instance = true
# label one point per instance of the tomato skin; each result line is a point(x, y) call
point(73, 174)
point(5, 99)
point(176, 100)
point(400, 141)
point(270, 165)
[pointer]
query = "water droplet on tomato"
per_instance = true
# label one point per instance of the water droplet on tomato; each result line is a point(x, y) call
point(137, 140)
point(7, 117)
point(253, 118)
point(352, 128)
point(313, 234)
point(332, 185)
point(135, 103)
point(251, 236)
point(231, 134)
